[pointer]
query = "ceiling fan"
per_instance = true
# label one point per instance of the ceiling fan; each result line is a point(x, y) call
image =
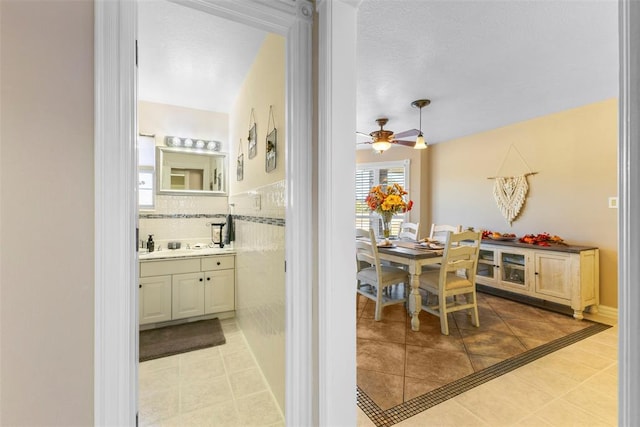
point(383, 139)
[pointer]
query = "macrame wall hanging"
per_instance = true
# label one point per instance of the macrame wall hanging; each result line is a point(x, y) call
point(510, 192)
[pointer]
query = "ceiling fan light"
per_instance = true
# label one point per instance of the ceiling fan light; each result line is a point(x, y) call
point(381, 145)
point(420, 143)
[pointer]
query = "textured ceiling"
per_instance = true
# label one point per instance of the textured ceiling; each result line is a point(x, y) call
point(190, 58)
point(483, 63)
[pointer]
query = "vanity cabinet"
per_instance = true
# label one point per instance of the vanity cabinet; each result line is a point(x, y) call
point(154, 299)
point(186, 288)
point(563, 274)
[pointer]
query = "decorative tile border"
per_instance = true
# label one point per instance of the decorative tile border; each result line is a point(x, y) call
point(280, 222)
point(419, 404)
point(179, 216)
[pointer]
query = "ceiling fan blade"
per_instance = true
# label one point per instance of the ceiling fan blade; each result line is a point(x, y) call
point(405, 142)
point(363, 134)
point(406, 133)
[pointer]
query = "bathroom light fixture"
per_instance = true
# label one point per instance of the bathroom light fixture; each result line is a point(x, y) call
point(420, 142)
point(198, 144)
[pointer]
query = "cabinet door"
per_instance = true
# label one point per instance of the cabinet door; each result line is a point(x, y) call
point(154, 299)
point(487, 266)
point(219, 291)
point(188, 295)
point(552, 273)
point(513, 270)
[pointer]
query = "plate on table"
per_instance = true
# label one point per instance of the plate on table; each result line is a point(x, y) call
point(434, 246)
point(503, 238)
point(386, 245)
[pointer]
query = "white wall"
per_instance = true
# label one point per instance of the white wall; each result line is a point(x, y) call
point(46, 213)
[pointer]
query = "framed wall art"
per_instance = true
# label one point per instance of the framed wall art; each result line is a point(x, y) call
point(253, 141)
point(240, 167)
point(272, 140)
point(240, 163)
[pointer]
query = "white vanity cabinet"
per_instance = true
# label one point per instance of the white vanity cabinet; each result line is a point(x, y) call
point(172, 289)
point(563, 274)
point(154, 299)
point(187, 295)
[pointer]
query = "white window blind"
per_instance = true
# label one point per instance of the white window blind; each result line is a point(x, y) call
point(369, 175)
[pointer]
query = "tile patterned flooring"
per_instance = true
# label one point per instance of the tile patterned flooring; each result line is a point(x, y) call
point(576, 385)
point(217, 386)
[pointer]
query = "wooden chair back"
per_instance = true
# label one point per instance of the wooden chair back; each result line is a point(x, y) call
point(439, 231)
point(409, 231)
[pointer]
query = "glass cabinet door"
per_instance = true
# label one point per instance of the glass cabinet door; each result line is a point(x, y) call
point(486, 264)
point(513, 268)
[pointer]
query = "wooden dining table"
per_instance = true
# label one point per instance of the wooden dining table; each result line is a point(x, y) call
point(414, 256)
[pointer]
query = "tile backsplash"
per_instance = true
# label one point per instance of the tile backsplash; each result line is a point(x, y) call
point(259, 219)
point(183, 219)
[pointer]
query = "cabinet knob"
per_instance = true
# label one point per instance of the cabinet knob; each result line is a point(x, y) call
point(208, 278)
point(140, 286)
point(200, 279)
point(536, 273)
point(218, 263)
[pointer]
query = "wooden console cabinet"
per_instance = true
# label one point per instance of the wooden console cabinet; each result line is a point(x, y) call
point(563, 274)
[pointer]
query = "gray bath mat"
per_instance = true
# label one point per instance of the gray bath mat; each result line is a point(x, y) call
point(175, 339)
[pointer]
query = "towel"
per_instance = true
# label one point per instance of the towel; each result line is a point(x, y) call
point(230, 234)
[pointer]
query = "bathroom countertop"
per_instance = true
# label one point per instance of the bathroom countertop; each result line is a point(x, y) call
point(184, 253)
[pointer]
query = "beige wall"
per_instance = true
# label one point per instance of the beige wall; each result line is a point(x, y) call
point(46, 213)
point(418, 175)
point(263, 86)
point(260, 244)
point(575, 155)
point(163, 120)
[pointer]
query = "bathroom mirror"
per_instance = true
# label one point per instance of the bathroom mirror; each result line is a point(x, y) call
point(195, 172)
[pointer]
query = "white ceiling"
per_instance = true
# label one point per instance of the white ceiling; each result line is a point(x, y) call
point(483, 63)
point(190, 58)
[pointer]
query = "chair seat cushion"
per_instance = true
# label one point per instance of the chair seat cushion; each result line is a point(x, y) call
point(390, 275)
point(429, 280)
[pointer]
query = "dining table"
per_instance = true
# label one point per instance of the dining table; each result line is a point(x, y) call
point(414, 255)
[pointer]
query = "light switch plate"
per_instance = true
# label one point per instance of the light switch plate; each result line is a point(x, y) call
point(613, 202)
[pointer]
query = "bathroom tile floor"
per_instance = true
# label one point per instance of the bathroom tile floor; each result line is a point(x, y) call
point(576, 383)
point(217, 386)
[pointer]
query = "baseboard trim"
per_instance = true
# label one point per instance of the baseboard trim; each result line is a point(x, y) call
point(610, 313)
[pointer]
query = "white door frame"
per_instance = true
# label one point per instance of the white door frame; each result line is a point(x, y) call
point(628, 223)
point(116, 304)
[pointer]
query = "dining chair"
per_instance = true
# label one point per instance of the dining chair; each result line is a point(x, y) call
point(455, 278)
point(438, 231)
point(373, 277)
point(409, 231)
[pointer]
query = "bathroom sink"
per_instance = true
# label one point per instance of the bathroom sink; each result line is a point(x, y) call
point(177, 253)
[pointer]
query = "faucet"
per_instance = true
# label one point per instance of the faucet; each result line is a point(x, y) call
point(216, 224)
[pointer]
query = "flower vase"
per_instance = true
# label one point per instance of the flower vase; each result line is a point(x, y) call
point(386, 225)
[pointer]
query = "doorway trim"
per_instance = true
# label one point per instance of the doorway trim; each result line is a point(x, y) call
point(116, 303)
point(628, 223)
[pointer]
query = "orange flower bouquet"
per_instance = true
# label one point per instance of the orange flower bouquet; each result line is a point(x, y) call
point(387, 200)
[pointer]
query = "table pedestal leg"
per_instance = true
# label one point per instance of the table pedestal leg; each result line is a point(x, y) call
point(415, 302)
